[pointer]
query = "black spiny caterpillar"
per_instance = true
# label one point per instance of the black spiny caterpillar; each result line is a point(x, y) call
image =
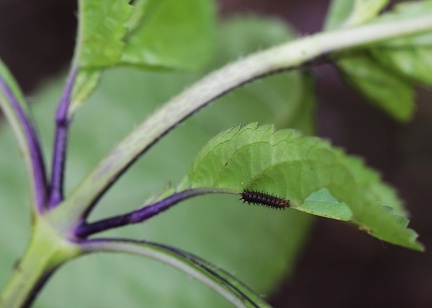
point(260, 198)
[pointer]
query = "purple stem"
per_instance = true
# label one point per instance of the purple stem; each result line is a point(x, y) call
point(61, 140)
point(37, 162)
point(137, 216)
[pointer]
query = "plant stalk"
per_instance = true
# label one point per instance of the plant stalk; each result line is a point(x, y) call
point(143, 213)
point(45, 253)
point(61, 141)
point(28, 141)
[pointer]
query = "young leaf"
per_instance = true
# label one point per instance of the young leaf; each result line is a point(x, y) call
point(172, 34)
point(293, 167)
point(214, 277)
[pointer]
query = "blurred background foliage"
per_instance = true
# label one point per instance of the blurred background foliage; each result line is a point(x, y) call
point(339, 266)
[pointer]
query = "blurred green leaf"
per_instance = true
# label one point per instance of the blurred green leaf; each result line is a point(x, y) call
point(139, 12)
point(381, 85)
point(288, 165)
point(339, 11)
point(173, 34)
point(258, 245)
point(386, 72)
point(365, 10)
point(408, 9)
point(348, 13)
point(15, 204)
point(410, 57)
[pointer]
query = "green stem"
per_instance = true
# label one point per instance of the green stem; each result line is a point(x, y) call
point(45, 252)
point(272, 60)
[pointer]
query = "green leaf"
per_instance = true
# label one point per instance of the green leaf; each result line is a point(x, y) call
point(214, 277)
point(173, 34)
point(139, 12)
point(285, 164)
point(386, 72)
point(339, 11)
point(347, 13)
point(255, 247)
point(410, 57)
point(323, 203)
point(101, 30)
point(408, 9)
point(151, 33)
point(365, 10)
point(380, 85)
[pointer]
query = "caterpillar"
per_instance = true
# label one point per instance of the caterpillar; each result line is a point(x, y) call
point(260, 198)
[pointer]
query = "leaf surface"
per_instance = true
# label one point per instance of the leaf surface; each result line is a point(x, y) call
point(172, 34)
point(101, 31)
point(302, 170)
point(149, 34)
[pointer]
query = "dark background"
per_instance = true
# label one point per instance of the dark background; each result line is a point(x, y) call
point(341, 266)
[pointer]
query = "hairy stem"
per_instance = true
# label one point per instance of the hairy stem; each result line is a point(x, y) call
point(60, 143)
point(275, 59)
